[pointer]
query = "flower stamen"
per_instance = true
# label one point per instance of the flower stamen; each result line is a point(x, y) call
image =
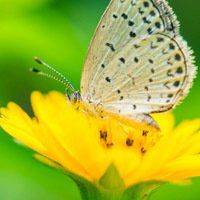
point(143, 150)
point(145, 133)
point(105, 138)
point(103, 135)
point(129, 142)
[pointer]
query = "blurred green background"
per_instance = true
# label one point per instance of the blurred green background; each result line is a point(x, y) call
point(59, 32)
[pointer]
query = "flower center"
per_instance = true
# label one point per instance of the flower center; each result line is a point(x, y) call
point(127, 137)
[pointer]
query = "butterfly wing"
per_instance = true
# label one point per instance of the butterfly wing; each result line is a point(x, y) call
point(161, 77)
point(137, 62)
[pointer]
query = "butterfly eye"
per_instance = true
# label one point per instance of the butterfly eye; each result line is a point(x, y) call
point(75, 97)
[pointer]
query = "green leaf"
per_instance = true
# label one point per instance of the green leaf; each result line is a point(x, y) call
point(141, 191)
point(111, 180)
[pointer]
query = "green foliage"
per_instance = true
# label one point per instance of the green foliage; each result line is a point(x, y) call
point(59, 32)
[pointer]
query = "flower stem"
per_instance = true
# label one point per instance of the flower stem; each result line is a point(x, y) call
point(111, 196)
point(141, 191)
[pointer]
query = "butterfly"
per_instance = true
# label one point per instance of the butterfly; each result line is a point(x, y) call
point(137, 63)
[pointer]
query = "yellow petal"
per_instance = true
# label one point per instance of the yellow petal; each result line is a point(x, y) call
point(72, 134)
point(166, 121)
point(87, 145)
point(19, 125)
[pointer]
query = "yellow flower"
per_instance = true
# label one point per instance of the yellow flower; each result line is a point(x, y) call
point(87, 146)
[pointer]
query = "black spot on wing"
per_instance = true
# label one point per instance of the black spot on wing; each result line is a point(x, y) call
point(152, 13)
point(141, 11)
point(179, 70)
point(169, 73)
point(103, 66)
point(115, 16)
point(177, 83)
point(130, 23)
point(149, 31)
point(171, 46)
point(149, 98)
point(170, 95)
point(152, 71)
point(136, 59)
point(178, 57)
point(108, 79)
point(133, 3)
point(122, 60)
point(146, 21)
point(111, 46)
point(160, 39)
point(146, 4)
point(134, 107)
point(158, 25)
point(151, 61)
point(150, 80)
point(146, 88)
point(132, 34)
point(124, 16)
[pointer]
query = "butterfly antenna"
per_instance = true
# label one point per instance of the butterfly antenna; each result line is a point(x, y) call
point(39, 72)
point(62, 78)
